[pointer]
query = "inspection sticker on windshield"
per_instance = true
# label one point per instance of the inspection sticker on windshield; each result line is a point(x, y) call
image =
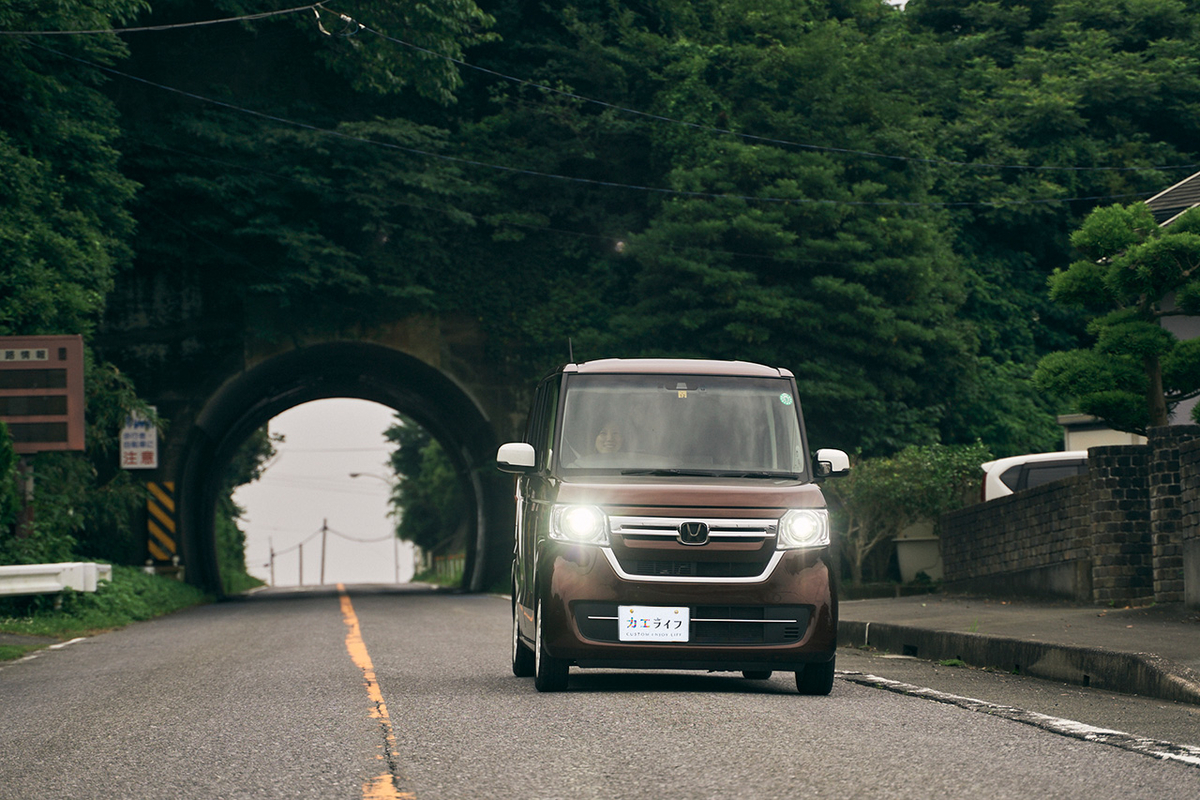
point(653, 623)
point(785, 398)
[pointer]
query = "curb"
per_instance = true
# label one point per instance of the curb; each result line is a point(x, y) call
point(1128, 673)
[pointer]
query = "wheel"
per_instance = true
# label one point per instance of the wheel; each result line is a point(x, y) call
point(522, 656)
point(549, 673)
point(756, 674)
point(816, 678)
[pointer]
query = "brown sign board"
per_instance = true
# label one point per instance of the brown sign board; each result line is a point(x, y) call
point(41, 391)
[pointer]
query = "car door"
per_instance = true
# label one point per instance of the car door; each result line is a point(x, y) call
point(531, 496)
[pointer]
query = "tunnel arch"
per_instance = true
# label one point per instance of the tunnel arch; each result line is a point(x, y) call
point(351, 369)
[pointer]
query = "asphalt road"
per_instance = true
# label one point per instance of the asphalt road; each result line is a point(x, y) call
point(381, 693)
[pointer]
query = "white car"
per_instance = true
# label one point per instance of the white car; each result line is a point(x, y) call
point(1007, 475)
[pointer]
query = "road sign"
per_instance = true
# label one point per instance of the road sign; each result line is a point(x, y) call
point(139, 443)
point(41, 392)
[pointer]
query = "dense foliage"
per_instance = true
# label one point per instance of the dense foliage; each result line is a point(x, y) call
point(883, 496)
point(428, 495)
point(873, 198)
point(1135, 277)
point(247, 466)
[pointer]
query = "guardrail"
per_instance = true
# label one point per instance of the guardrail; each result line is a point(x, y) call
point(450, 568)
point(52, 578)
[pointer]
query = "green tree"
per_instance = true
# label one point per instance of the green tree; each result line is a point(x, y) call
point(882, 496)
point(1036, 101)
point(248, 465)
point(64, 219)
point(65, 227)
point(1136, 275)
point(428, 497)
point(8, 477)
point(796, 255)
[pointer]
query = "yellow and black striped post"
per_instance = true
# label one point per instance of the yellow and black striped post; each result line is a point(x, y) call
point(160, 521)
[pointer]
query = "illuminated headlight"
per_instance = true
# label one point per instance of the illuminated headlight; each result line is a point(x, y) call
point(804, 527)
point(582, 524)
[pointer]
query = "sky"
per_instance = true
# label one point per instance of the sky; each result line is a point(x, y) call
point(308, 485)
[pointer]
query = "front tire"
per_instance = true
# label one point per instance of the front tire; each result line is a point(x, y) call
point(816, 678)
point(549, 673)
point(522, 656)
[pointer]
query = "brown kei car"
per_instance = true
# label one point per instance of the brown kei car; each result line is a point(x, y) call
point(667, 518)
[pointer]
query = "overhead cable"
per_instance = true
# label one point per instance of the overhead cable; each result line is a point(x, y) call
point(353, 26)
point(175, 26)
point(590, 181)
point(747, 136)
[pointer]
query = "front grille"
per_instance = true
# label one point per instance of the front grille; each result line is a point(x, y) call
point(710, 625)
point(733, 550)
point(667, 528)
point(692, 569)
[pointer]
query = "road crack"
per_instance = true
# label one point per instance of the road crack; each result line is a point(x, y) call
point(389, 785)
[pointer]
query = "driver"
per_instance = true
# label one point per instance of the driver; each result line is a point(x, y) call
point(608, 440)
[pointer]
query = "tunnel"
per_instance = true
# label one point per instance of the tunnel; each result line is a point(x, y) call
point(357, 370)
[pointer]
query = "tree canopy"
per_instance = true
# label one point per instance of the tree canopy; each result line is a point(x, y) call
point(873, 198)
point(1135, 276)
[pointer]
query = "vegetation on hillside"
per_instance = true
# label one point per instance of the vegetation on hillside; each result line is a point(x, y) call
point(873, 198)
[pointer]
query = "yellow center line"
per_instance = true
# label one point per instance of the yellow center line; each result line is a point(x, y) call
point(384, 786)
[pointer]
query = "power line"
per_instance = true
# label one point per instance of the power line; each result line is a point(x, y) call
point(357, 540)
point(747, 136)
point(799, 201)
point(175, 26)
point(358, 26)
point(614, 241)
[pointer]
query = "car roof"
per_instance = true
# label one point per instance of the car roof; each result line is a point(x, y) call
point(676, 366)
point(1031, 458)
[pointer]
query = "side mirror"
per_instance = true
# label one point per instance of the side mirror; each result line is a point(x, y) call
point(831, 463)
point(516, 457)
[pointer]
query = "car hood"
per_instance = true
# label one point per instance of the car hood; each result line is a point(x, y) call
point(685, 492)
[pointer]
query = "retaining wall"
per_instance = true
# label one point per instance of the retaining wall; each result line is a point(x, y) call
point(1127, 531)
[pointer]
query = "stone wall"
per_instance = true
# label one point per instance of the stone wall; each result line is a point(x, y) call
point(1128, 531)
point(1189, 459)
point(1029, 543)
point(1120, 524)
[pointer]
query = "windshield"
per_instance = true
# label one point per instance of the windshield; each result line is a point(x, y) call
point(691, 425)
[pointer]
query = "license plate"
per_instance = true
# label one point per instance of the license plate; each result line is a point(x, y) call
point(653, 623)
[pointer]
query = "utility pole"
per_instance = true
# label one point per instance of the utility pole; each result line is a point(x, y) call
point(324, 533)
point(271, 546)
point(302, 563)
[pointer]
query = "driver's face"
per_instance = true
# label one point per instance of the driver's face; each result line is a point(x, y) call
point(609, 439)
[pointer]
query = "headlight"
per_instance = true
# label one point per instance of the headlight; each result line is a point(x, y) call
point(803, 527)
point(581, 524)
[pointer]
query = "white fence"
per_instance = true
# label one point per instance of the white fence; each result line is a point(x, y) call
point(52, 578)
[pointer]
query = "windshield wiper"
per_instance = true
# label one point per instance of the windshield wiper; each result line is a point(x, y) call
point(698, 473)
point(711, 473)
point(757, 474)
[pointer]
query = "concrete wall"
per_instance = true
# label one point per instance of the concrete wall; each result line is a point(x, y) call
point(1128, 531)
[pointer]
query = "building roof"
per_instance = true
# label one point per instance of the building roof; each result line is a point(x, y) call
point(1172, 202)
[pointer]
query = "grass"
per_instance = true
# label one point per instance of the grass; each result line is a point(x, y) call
point(9, 652)
point(431, 576)
point(131, 596)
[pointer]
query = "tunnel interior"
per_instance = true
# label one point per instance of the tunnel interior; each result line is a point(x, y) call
point(357, 370)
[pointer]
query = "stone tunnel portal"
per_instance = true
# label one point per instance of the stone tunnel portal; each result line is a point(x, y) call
point(358, 370)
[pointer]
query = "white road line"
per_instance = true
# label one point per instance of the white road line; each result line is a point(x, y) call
point(61, 645)
point(1167, 751)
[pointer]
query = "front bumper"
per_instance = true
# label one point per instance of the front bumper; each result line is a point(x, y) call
point(782, 621)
